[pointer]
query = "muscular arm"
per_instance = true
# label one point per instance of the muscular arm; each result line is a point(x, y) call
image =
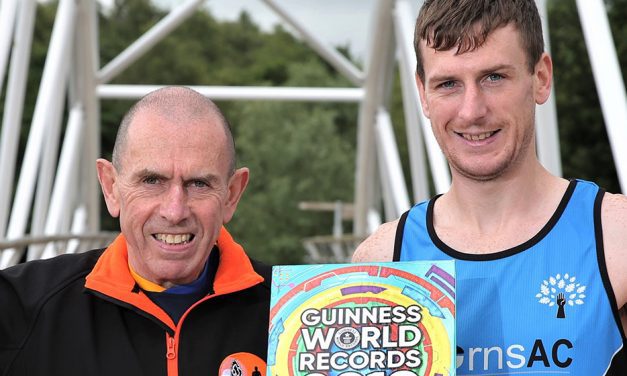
point(379, 246)
point(614, 222)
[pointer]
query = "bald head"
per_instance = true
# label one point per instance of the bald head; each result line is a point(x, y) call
point(179, 105)
point(172, 183)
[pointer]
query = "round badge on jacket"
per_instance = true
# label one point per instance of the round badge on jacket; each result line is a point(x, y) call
point(242, 364)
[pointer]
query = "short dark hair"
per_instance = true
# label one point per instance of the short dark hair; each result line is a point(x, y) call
point(444, 24)
point(170, 100)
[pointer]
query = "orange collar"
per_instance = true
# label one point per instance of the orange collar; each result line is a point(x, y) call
point(111, 275)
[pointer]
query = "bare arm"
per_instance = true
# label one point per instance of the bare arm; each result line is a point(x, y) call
point(614, 221)
point(379, 246)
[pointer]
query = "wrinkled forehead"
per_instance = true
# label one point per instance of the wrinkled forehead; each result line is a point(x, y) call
point(154, 134)
point(176, 119)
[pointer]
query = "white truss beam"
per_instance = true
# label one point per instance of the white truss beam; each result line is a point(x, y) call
point(242, 93)
point(15, 93)
point(142, 45)
point(608, 78)
point(67, 199)
point(330, 54)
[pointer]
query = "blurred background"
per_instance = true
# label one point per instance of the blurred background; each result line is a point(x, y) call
point(306, 157)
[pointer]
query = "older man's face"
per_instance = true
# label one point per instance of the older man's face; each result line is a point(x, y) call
point(173, 193)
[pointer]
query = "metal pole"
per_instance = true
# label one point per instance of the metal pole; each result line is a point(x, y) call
point(14, 105)
point(382, 41)
point(51, 121)
point(331, 55)
point(8, 10)
point(87, 57)
point(437, 161)
point(608, 78)
point(159, 31)
point(547, 136)
point(411, 103)
point(49, 152)
point(390, 167)
point(47, 112)
point(310, 94)
point(64, 192)
point(78, 227)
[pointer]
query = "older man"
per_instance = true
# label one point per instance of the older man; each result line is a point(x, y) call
point(173, 294)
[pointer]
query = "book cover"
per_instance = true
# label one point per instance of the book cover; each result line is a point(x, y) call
point(369, 319)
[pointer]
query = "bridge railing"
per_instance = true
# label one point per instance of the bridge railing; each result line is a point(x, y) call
point(35, 247)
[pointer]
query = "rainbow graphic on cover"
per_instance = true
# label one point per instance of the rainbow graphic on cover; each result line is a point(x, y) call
point(370, 319)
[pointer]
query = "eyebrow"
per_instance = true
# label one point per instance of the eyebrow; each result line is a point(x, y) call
point(146, 172)
point(150, 173)
point(210, 178)
point(483, 72)
point(499, 67)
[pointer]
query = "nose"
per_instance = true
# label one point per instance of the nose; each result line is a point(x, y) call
point(473, 107)
point(174, 206)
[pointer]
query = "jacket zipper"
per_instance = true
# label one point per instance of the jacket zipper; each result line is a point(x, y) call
point(170, 355)
point(171, 339)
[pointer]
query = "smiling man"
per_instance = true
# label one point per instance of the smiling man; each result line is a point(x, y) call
point(174, 293)
point(540, 260)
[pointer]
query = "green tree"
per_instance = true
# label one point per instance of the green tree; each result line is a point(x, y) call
point(306, 151)
point(583, 139)
point(296, 151)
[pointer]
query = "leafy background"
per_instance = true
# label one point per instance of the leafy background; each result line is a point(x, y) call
point(306, 151)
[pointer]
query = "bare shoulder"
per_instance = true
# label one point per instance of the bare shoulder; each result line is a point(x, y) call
point(379, 246)
point(614, 222)
point(615, 204)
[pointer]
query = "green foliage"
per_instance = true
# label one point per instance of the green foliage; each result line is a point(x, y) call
point(294, 155)
point(583, 139)
point(617, 14)
point(295, 151)
point(306, 151)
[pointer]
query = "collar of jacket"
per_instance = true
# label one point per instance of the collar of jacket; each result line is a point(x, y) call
point(111, 275)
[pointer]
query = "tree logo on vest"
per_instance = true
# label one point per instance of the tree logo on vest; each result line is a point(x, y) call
point(561, 291)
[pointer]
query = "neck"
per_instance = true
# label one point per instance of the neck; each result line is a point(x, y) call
point(501, 205)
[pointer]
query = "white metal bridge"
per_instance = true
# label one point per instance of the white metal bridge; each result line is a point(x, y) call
point(56, 190)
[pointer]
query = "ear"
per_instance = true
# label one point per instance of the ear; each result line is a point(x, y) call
point(543, 77)
point(421, 92)
point(237, 185)
point(107, 175)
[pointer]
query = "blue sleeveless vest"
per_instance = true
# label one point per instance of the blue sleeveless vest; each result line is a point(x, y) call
point(543, 307)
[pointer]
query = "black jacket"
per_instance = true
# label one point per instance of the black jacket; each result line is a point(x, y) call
point(84, 314)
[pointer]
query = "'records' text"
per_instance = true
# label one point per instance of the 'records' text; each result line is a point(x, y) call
point(360, 339)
